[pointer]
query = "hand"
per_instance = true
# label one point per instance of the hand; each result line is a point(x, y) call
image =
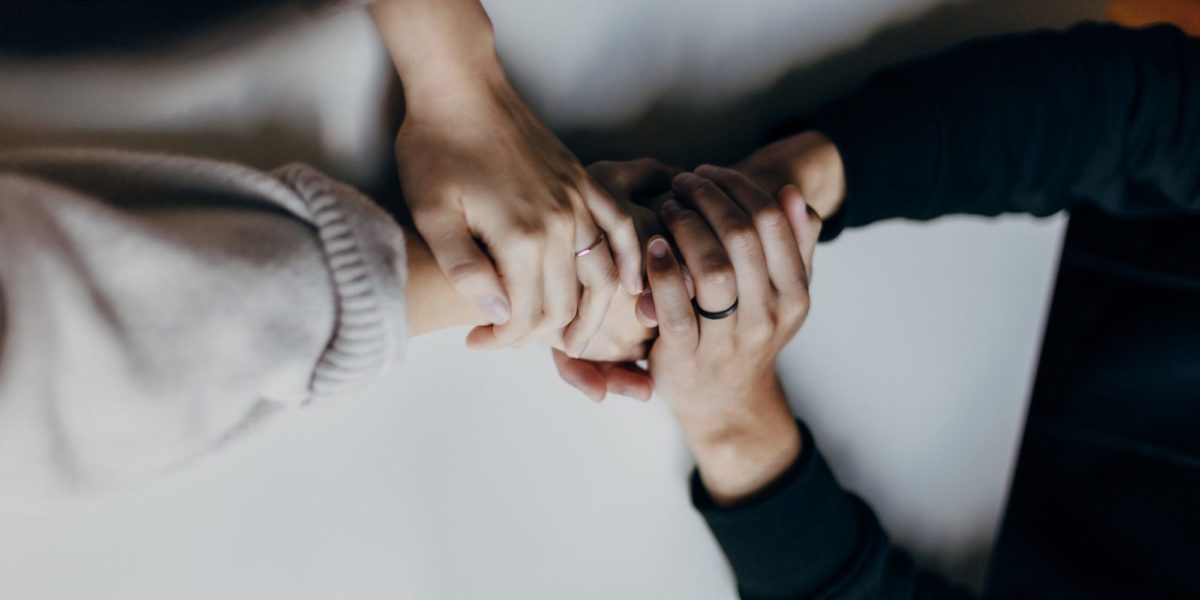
point(608, 364)
point(478, 167)
point(717, 376)
point(807, 160)
point(491, 171)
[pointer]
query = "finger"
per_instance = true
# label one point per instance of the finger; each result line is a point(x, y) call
point(735, 230)
point(469, 270)
point(622, 235)
point(560, 295)
point(598, 277)
point(627, 179)
point(672, 306)
point(805, 223)
point(581, 375)
point(518, 265)
point(779, 245)
point(711, 271)
point(644, 310)
point(627, 379)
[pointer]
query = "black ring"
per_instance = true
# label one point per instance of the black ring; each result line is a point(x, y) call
point(715, 316)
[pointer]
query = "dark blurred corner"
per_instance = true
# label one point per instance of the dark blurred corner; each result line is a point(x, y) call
point(686, 137)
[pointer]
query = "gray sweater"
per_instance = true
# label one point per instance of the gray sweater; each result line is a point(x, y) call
point(153, 307)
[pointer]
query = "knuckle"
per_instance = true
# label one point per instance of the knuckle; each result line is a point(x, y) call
point(677, 326)
point(467, 272)
point(741, 239)
point(560, 316)
point(572, 180)
point(603, 280)
point(572, 195)
point(426, 214)
point(703, 186)
point(649, 165)
point(771, 218)
point(562, 212)
point(561, 222)
point(607, 172)
point(602, 166)
point(716, 272)
point(522, 322)
point(685, 219)
point(525, 237)
point(622, 223)
point(802, 305)
point(760, 330)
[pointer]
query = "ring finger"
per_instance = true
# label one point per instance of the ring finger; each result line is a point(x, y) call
point(737, 234)
point(598, 277)
point(706, 259)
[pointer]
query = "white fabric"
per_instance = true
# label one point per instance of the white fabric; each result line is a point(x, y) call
point(153, 306)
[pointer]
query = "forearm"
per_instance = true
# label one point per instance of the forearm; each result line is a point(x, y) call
point(442, 49)
point(803, 536)
point(432, 303)
point(787, 527)
point(808, 160)
point(1033, 123)
point(740, 453)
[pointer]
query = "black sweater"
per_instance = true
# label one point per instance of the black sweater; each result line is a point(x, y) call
point(1105, 502)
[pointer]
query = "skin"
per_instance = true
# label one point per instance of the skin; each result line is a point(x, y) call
point(732, 239)
point(503, 205)
point(808, 161)
point(434, 303)
point(718, 376)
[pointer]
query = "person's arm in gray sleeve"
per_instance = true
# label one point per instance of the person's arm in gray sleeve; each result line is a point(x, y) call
point(154, 307)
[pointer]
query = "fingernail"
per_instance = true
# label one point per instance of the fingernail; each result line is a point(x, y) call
point(669, 207)
point(580, 349)
point(496, 308)
point(685, 178)
point(632, 281)
point(706, 170)
point(658, 247)
point(623, 390)
point(645, 309)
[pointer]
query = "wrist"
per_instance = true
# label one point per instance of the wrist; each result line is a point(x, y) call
point(431, 301)
point(739, 453)
point(808, 160)
point(443, 50)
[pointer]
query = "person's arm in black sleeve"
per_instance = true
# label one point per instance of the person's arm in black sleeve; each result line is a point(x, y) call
point(1032, 123)
point(803, 536)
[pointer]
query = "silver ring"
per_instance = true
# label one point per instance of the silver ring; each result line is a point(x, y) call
point(599, 240)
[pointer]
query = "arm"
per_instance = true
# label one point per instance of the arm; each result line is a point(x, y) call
point(798, 534)
point(786, 526)
point(154, 307)
point(433, 303)
point(1033, 123)
point(504, 205)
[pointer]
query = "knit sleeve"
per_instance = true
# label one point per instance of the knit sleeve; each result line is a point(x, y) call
point(154, 308)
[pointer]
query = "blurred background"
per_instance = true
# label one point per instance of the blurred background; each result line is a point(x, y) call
point(480, 475)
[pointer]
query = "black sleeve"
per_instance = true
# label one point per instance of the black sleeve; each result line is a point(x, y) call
point(1033, 123)
point(806, 537)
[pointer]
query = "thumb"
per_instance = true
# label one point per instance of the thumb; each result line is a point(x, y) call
point(806, 225)
point(581, 375)
point(469, 270)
